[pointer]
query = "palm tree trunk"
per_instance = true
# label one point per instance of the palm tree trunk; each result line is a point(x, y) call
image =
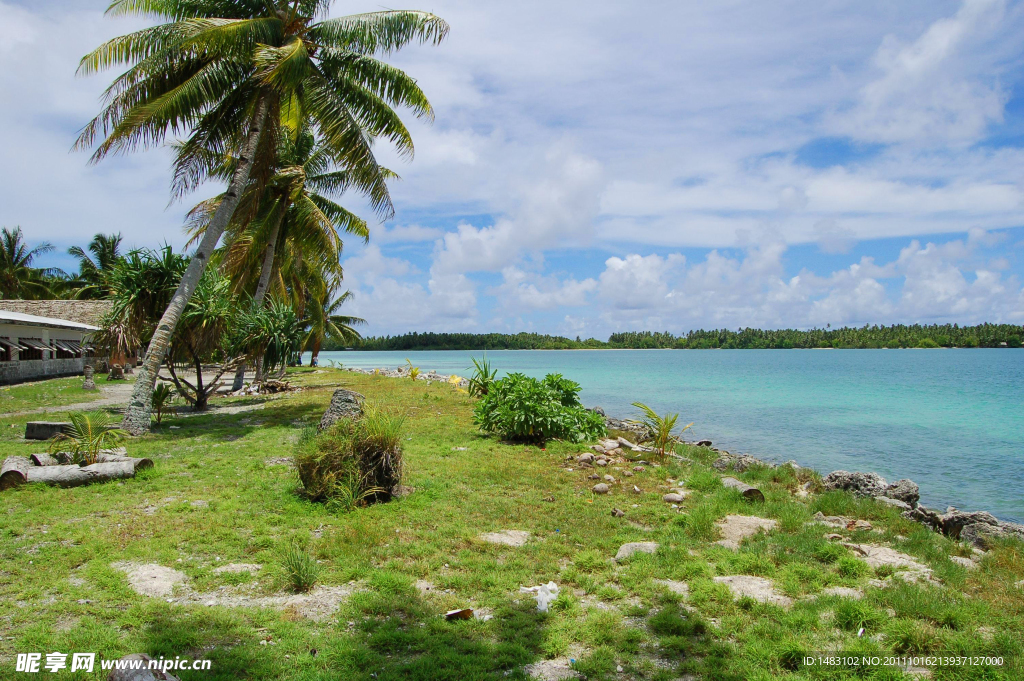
point(261, 292)
point(315, 351)
point(137, 413)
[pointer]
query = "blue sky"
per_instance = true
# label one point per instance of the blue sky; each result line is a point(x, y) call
point(605, 166)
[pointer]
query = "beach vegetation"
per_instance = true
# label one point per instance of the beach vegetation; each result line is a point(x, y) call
point(659, 431)
point(482, 378)
point(96, 264)
point(302, 569)
point(519, 408)
point(414, 372)
point(163, 397)
point(19, 278)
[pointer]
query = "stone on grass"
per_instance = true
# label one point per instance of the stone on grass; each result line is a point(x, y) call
point(680, 588)
point(609, 479)
point(760, 589)
point(627, 550)
point(909, 568)
point(964, 562)
point(673, 498)
point(600, 488)
point(736, 528)
point(618, 512)
point(843, 592)
point(904, 490)
point(585, 458)
point(345, 404)
point(896, 503)
point(861, 484)
point(506, 537)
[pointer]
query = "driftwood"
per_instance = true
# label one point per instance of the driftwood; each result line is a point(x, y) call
point(746, 490)
point(111, 457)
point(73, 476)
point(14, 471)
point(50, 459)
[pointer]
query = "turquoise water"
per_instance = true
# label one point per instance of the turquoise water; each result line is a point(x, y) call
point(951, 420)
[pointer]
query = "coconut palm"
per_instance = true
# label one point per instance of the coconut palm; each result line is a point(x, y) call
point(95, 264)
point(18, 278)
point(325, 321)
point(224, 71)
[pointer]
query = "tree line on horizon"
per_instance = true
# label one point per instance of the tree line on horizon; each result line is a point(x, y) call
point(865, 337)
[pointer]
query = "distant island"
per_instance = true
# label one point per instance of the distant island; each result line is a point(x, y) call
point(845, 338)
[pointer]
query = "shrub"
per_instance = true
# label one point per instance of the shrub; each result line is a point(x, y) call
point(519, 408)
point(483, 377)
point(86, 437)
point(302, 569)
point(353, 462)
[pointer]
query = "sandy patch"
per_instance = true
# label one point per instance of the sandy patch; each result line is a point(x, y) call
point(233, 568)
point(150, 579)
point(758, 588)
point(627, 550)
point(736, 528)
point(681, 588)
point(506, 537)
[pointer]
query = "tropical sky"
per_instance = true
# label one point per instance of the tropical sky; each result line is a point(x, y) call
point(599, 166)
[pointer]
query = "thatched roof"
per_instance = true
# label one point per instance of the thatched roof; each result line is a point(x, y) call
point(81, 311)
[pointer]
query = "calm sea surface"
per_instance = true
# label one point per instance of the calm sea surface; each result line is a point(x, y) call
point(951, 420)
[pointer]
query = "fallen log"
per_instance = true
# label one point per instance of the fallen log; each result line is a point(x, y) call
point(14, 471)
point(746, 490)
point(73, 476)
point(49, 459)
point(138, 464)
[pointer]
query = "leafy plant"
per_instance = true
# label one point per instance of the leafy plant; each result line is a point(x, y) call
point(521, 408)
point(302, 568)
point(163, 396)
point(414, 372)
point(86, 437)
point(483, 377)
point(660, 430)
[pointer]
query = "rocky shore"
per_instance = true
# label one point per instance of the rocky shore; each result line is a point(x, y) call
point(978, 528)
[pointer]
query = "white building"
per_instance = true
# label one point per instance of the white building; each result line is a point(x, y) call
point(34, 347)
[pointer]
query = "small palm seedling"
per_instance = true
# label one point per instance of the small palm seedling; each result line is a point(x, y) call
point(483, 377)
point(86, 437)
point(163, 396)
point(414, 372)
point(660, 430)
point(302, 568)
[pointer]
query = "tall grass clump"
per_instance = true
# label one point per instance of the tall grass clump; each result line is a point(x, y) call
point(302, 569)
point(354, 462)
point(519, 408)
point(483, 377)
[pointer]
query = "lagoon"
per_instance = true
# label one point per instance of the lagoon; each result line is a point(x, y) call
point(951, 420)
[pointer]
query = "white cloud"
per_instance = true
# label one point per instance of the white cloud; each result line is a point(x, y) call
point(406, 234)
point(523, 290)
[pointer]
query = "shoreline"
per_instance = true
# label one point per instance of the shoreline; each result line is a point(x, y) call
point(978, 528)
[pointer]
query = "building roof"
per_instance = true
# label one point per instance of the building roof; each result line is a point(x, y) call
point(33, 320)
point(87, 312)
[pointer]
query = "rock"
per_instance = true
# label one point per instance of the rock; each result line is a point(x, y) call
point(585, 458)
point(143, 674)
point(593, 476)
point(703, 443)
point(760, 589)
point(345, 404)
point(44, 430)
point(627, 474)
point(890, 501)
point(639, 469)
point(506, 537)
point(609, 479)
point(680, 588)
point(600, 488)
point(623, 442)
point(982, 535)
point(861, 484)
point(627, 550)
point(736, 528)
point(618, 512)
point(904, 490)
point(673, 498)
point(90, 382)
point(964, 562)
point(834, 537)
point(601, 462)
point(739, 462)
point(843, 592)
point(953, 521)
point(598, 410)
point(877, 556)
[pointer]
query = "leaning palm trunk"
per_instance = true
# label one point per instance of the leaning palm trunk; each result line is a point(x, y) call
point(137, 414)
point(261, 293)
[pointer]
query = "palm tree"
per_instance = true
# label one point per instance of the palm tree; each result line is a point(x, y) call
point(325, 322)
point(18, 279)
point(225, 70)
point(94, 270)
point(293, 215)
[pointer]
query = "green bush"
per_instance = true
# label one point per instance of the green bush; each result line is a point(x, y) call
point(353, 462)
point(519, 408)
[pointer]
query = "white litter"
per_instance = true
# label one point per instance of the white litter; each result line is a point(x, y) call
point(545, 594)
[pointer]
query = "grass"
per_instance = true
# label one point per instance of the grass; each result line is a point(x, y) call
point(59, 590)
point(52, 393)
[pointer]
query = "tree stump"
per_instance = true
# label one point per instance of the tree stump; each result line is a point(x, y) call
point(116, 373)
point(14, 471)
